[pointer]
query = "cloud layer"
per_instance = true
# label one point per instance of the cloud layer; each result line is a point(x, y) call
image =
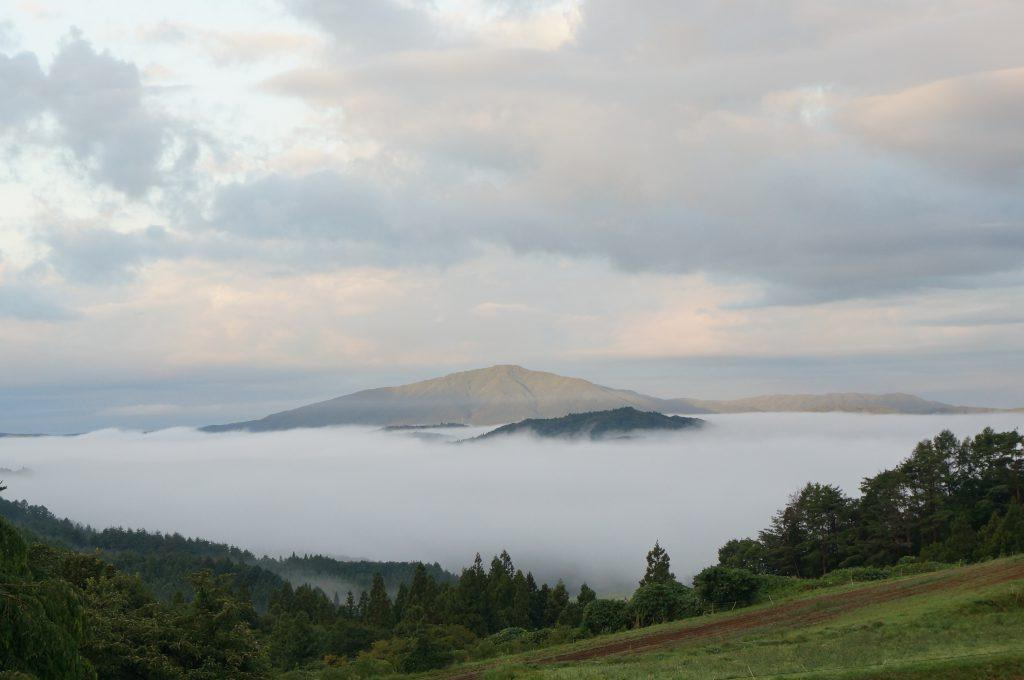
point(579, 511)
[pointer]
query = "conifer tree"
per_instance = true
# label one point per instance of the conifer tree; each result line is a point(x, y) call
point(378, 605)
point(657, 567)
point(558, 599)
point(586, 596)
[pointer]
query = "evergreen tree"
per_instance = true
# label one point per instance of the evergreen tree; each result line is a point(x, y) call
point(378, 605)
point(658, 570)
point(586, 596)
point(557, 600)
point(540, 604)
point(363, 607)
point(1005, 534)
point(473, 600)
point(522, 600)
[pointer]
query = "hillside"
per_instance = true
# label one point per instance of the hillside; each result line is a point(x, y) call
point(596, 425)
point(164, 560)
point(506, 394)
point(947, 624)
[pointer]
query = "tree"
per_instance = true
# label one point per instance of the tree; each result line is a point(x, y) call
point(605, 616)
point(292, 641)
point(657, 567)
point(378, 605)
point(746, 553)
point(659, 602)
point(720, 587)
point(215, 623)
point(1004, 535)
point(586, 596)
point(42, 622)
point(557, 601)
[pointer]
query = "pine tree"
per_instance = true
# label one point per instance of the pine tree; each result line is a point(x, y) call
point(558, 599)
point(586, 596)
point(364, 605)
point(657, 567)
point(378, 606)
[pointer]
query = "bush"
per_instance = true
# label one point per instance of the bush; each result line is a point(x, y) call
point(719, 587)
point(425, 650)
point(605, 616)
point(662, 602)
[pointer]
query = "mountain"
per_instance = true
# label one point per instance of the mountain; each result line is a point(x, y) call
point(485, 396)
point(506, 394)
point(849, 402)
point(596, 425)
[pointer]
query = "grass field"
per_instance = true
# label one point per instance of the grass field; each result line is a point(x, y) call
point(966, 622)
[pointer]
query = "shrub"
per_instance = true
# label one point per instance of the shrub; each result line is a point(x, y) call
point(662, 602)
point(605, 616)
point(725, 586)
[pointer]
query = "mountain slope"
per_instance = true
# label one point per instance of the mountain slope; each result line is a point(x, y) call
point(596, 425)
point(486, 396)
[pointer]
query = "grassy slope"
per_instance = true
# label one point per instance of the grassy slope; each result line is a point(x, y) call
point(954, 624)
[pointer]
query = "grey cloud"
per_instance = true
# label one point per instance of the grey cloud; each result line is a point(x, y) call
point(689, 138)
point(370, 26)
point(99, 255)
point(322, 205)
point(23, 296)
point(22, 88)
point(97, 100)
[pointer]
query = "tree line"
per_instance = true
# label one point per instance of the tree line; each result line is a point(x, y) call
point(951, 500)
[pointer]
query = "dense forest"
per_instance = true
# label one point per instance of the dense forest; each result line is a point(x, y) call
point(951, 500)
point(77, 603)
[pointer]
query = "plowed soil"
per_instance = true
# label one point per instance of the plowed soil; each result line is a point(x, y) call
point(791, 614)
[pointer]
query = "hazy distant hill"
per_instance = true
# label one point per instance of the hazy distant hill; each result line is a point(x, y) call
point(507, 394)
point(485, 396)
point(596, 425)
point(850, 402)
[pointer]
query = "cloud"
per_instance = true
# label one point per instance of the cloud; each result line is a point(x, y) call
point(437, 502)
point(98, 103)
point(686, 139)
point(99, 255)
point(968, 125)
point(370, 26)
point(32, 302)
point(228, 48)
point(22, 88)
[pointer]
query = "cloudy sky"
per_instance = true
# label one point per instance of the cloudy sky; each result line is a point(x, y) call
point(212, 209)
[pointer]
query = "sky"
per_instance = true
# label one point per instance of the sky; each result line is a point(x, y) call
point(214, 210)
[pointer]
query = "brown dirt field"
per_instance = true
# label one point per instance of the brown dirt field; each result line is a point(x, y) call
point(791, 614)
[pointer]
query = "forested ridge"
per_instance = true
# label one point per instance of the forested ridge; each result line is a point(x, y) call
point(69, 614)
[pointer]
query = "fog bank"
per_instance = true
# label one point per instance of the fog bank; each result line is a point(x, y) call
point(579, 510)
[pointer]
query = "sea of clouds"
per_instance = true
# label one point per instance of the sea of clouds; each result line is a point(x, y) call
point(578, 510)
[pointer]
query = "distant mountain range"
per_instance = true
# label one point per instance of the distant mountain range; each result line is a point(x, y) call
point(614, 424)
point(507, 394)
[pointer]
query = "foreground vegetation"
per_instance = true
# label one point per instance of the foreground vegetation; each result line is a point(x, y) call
point(957, 624)
point(76, 603)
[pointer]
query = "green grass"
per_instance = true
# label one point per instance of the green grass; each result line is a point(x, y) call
point(968, 632)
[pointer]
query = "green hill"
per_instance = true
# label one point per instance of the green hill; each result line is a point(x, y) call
point(620, 422)
point(956, 623)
